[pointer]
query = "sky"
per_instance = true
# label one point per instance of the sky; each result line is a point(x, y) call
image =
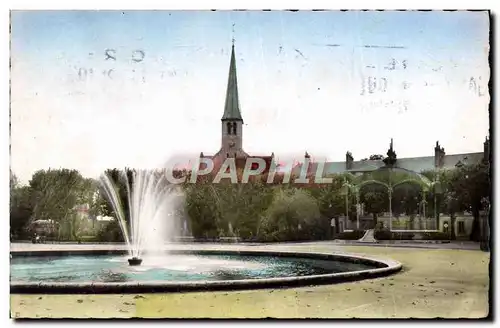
point(98, 89)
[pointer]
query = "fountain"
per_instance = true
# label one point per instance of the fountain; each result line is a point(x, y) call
point(147, 225)
point(151, 203)
point(134, 261)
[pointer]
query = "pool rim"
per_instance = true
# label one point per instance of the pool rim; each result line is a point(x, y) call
point(382, 267)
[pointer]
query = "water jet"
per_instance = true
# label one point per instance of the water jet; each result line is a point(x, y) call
point(144, 204)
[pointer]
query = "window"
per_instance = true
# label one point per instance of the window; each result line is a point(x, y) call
point(234, 128)
point(461, 227)
point(228, 128)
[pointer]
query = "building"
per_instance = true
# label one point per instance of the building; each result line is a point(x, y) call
point(232, 146)
point(232, 128)
point(439, 161)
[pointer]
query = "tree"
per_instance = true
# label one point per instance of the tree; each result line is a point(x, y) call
point(470, 185)
point(391, 158)
point(245, 207)
point(331, 198)
point(21, 208)
point(122, 181)
point(406, 198)
point(202, 209)
point(436, 198)
point(293, 215)
point(376, 157)
point(376, 200)
point(452, 206)
point(55, 195)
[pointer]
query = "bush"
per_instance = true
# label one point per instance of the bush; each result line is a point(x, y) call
point(293, 215)
point(435, 236)
point(350, 235)
point(88, 239)
point(402, 235)
point(202, 209)
point(111, 232)
point(382, 234)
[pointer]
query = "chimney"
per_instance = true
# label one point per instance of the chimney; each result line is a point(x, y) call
point(486, 151)
point(348, 160)
point(438, 156)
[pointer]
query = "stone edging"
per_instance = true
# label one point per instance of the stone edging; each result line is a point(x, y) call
point(384, 267)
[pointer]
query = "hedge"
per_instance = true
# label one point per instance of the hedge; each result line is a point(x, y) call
point(350, 235)
point(436, 235)
point(388, 235)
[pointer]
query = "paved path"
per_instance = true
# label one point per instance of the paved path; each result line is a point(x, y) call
point(368, 237)
point(335, 245)
point(443, 283)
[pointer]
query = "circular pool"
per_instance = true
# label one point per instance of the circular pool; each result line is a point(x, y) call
point(181, 271)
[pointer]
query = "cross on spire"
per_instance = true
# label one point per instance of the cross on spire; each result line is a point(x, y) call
point(233, 34)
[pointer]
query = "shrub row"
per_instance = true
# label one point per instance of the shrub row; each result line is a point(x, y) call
point(388, 235)
point(435, 236)
point(350, 235)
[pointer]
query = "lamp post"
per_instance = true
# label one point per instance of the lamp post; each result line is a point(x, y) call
point(346, 191)
point(358, 209)
point(437, 190)
point(424, 201)
point(332, 221)
point(390, 198)
point(346, 202)
point(390, 208)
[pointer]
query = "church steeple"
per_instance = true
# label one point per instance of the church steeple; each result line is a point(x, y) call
point(232, 122)
point(232, 105)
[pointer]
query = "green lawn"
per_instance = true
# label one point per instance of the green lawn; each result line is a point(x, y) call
point(433, 283)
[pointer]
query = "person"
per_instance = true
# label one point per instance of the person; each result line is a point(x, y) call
point(332, 223)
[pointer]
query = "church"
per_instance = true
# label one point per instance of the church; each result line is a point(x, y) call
point(232, 128)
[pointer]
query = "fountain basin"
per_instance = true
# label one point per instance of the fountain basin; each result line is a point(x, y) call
point(134, 261)
point(254, 269)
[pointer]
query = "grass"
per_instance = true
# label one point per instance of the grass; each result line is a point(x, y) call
point(433, 284)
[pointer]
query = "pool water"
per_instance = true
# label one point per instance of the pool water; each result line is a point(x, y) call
point(115, 268)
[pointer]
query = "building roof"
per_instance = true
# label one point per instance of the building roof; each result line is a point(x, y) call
point(232, 105)
point(416, 164)
point(470, 158)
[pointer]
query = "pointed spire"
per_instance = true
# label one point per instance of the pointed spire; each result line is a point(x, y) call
point(232, 105)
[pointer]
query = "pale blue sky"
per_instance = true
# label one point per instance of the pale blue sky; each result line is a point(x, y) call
point(300, 78)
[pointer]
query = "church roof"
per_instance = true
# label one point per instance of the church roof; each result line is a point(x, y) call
point(232, 105)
